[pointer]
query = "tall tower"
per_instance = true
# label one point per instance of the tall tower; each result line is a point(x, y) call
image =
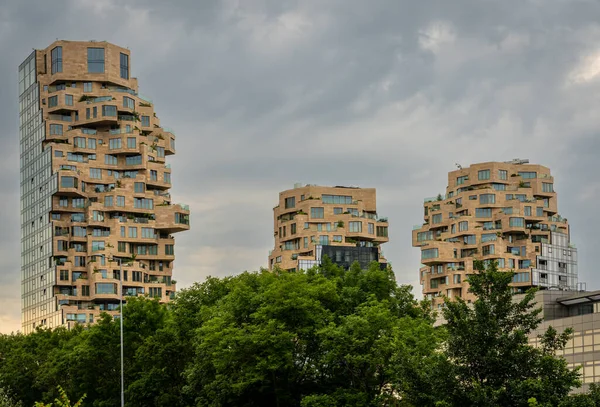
point(94, 186)
point(506, 212)
point(341, 222)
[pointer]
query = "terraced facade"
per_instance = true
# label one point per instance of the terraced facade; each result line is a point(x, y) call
point(311, 219)
point(94, 186)
point(506, 212)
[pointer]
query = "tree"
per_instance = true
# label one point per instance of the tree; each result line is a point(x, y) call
point(491, 361)
point(62, 400)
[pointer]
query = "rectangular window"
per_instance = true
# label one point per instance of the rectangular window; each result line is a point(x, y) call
point(483, 212)
point(516, 222)
point(429, 254)
point(355, 226)
point(502, 174)
point(124, 64)
point(96, 173)
point(114, 143)
point(69, 100)
point(487, 198)
point(371, 228)
point(338, 211)
point(143, 203)
point(145, 121)
point(110, 159)
point(68, 182)
point(324, 240)
point(139, 187)
point(108, 110)
point(169, 250)
point(87, 86)
point(160, 151)
point(528, 174)
point(122, 247)
point(148, 233)
point(508, 210)
point(97, 245)
point(132, 231)
point(306, 242)
point(52, 101)
point(120, 201)
point(539, 211)
point(108, 201)
point(56, 60)
point(106, 288)
point(123, 233)
point(487, 250)
point(317, 213)
point(470, 239)
point(461, 180)
point(131, 142)
point(78, 202)
point(424, 236)
point(463, 226)
point(336, 199)
point(128, 102)
point(527, 211)
point(499, 187)
point(488, 237)
point(153, 175)
point(547, 187)
point(133, 160)
point(56, 129)
point(167, 177)
point(79, 142)
point(95, 112)
point(95, 60)
point(483, 174)
point(382, 231)
point(437, 218)
point(92, 143)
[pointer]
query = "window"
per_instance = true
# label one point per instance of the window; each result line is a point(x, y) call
point(487, 250)
point(429, 254)
point(122, 247)
point(92, 143)
point(133, 160)
point(462, 226)
point(79, 142)
point(114, 143)
point(64, 275)
point(338, 211)
point(78, 202)
point(52, 101)
point(120, 201)
point(79, 261)
point(355, 226)
point(130, 142)
point(128, 102)
point(547, 187)
point(461, 180)
point(539, 211)
point(336, 199)
point(106, 288)
point(167, 177)
point(516, 222)
point(499, 187)
point(317, 213)
point(488, 237)
point(483, 174)
point(56, 129)
point(169, 250)
point(123, 234)
point(68, 182)
point(95, 60)
point(56, 60)
point(160, 151)
point(382, 231)
point(487, 198)
point(424, 236)
point(437, 218)
point(503, 174)
point(470, 239)
point(528, 174)
point(109, 111)
point(96, 173)
point(472, 197)
point(483, 212)
point(87, 86)
point(153, 175)
point(155, 292)
point(371, 228)
point(527, 211)
point(108, 201)
point(110, 159)
point(139, 187)
point(143, 203)
point(124, 63)
point(69, 100)
point(132, 231)
point(508, 210)
point(97, 245)
point(146, 121)
point(148, 233)
point(324, 240)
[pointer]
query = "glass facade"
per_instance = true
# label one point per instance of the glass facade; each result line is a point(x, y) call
point(37, 186)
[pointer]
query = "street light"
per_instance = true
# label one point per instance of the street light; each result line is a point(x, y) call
point(121, 323)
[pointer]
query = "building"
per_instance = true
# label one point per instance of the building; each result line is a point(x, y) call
point(94, 186)
point(580, 311)
point(503, 211)
point(341, 222)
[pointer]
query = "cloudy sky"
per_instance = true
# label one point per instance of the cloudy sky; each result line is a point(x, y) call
point(384, 94)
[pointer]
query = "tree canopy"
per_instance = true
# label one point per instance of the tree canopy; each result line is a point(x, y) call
point(319, 338)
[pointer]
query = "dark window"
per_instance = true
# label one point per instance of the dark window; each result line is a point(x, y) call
point(95, 60)
point(124, 66)
point(56, 57)
point(290, 202)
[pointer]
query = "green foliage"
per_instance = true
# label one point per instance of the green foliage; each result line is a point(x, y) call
point(62, 400)
point(491, 360)
point(6, 399)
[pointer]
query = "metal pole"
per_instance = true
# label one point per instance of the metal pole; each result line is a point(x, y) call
point(121, 320)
